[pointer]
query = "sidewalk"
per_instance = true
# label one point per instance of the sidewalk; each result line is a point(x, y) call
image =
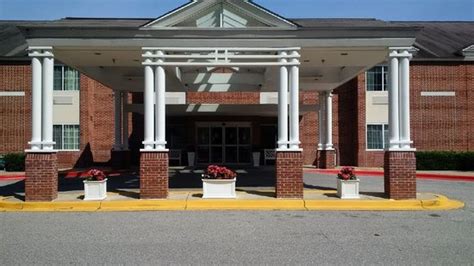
point(436, 175)
point(247, 199)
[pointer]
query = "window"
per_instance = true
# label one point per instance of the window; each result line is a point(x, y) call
point(66, 137)
point(377, 78)
point(65, 79)
point(377, 137)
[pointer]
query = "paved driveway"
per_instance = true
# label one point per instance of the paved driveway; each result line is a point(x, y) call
point(247, 237)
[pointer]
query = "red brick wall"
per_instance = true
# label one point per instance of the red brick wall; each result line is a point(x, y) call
point(400, 175)
point(15, 110)
point(438, 123)
point(41, 182)
point(289, 175)
point(442, 123)
point(154, 175)
point(223, 97)
point(96, 118)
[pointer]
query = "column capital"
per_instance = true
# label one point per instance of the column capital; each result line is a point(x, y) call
point(40, 51)
point(402, 52)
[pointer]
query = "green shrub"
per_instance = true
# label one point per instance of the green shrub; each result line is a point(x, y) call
point(445, 160)
point(14, 162)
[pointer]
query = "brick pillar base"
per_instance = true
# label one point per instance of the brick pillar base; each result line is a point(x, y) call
point(400, 174)
point(289, 175)
point(120, 159)
point(41, 170)
point(154, 175)
point(327, 159)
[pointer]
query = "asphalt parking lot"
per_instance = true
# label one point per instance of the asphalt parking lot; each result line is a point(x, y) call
point(248, 237)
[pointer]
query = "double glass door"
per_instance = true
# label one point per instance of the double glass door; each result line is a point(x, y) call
point(224, 143)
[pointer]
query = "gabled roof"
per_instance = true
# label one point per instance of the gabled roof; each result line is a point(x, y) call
point(220, 14)
point(436, 39)
point(443, 39)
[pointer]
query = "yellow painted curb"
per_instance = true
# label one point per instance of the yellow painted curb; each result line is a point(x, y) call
point(276, 204)
point(86, 206)
point(440, 202)
point(143, 205)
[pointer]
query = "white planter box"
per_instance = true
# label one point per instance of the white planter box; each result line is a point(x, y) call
point(218, 188)
point(348, 189)
point(95, 190)
point(256, 159)
point(191, 158)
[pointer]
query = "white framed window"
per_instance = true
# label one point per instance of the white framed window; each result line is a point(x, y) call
point(377, 136)
point(376, 79)
point(66, 78)
point(66, 137)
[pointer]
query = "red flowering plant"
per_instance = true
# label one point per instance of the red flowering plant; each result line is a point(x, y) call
point(347, 173)
point(95, 175)
point(218, 172)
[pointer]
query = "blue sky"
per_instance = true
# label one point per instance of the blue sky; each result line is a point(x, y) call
point(381, 9)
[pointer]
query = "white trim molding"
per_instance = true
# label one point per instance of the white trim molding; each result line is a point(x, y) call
point(468, 52)
point(438, 93)
point(12, 93)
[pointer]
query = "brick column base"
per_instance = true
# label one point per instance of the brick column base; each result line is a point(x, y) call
point(41, 170)
point(289, 175)
point(400, 174)
point(154, 175)
point(327, 159)
point(120, 159)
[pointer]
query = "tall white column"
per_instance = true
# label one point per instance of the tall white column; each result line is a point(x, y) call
point(48, 84)
point(294, 105)
point(124, 120)
point(148, 106)
point(329, 144)
point(283, 106)
point(393, 96)
point(118, 120)
point(160, 116)
point(322, 123)
point(405, 142)
point(36, 110)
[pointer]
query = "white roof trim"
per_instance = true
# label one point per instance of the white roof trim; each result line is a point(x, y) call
point(468, 52)
point(175, 17)
point(192, 2)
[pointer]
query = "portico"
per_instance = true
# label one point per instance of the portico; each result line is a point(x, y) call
point(265, 57)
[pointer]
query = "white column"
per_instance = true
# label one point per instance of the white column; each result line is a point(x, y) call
point(405, 100)
point(322, 123)
point(118, 120)
point(393, 98)
point(36, 110)
point(160, 116)
point(124, 120)
point(294, 105)
point(148, 106)
point(328, 120)
point(283, 106)
point(48, 83)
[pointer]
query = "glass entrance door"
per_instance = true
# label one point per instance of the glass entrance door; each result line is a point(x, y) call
point(225, 143)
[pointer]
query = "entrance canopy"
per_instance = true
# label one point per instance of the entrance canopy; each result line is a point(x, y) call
point(110, 50)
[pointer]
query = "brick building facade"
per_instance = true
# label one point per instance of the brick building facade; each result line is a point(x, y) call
point(321, 92)
point(438, 123)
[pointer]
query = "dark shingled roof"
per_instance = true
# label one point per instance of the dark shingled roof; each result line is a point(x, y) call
point(436, 40)
point(443, 39)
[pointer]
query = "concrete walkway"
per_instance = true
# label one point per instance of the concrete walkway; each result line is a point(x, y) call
point(247, 199)
point(255, 192)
